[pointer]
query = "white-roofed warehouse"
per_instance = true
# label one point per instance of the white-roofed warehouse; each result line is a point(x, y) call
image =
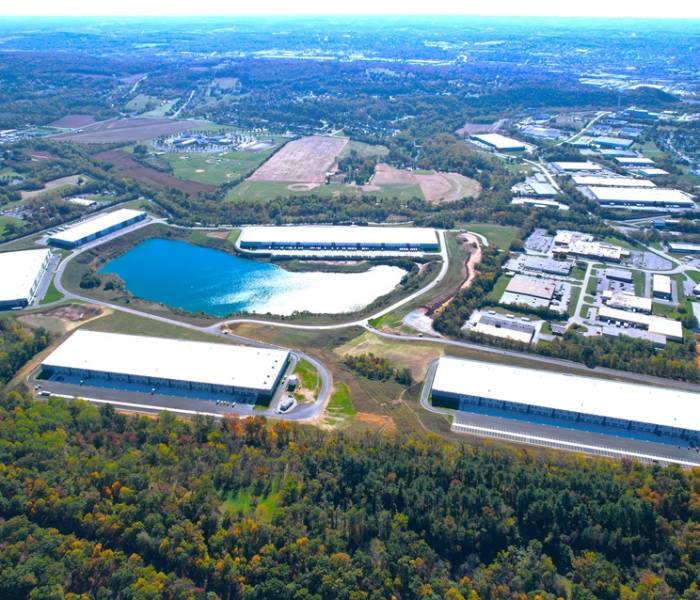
point(638, 197)
point(245, 372)
point(20, 275)
point(615, 405)
point(95, 228)
point(339, 237)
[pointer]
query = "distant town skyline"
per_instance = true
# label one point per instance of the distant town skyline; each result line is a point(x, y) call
point(679, 9)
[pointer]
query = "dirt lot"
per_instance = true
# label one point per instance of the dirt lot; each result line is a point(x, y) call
point(437, 187)
point(61, 182)
point(62, 319)
point(73, 121)
point(306, 160)
point(128, 130)
point(125, 165)
point(381, 423)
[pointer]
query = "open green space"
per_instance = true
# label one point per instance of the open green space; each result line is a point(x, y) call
point(364, 150)
point(694, 275)
point(340, 404)
point(638, 280)
point(215, 168)
point(308, 375)
point(52, 294)
point(5, 221)
point(579, 271)
point(499, 235)
point(498, 289)
point(592, 285)
point(241, 503)
point(141, 103)
point(573, 301)
point(260, 191)
point(233, 236)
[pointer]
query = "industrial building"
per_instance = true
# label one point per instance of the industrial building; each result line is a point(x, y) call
point(661, 326)
point(661, 286)
point(684, 248)
point(499, 143)
point(85, 202)
point(350, 238)
point(562, 168)
point(97, 227)
point(623, 275)
point(611, 142)
point(634, 161)
point(539, 203)
point(20, 275)
point(529, 291)
point(651, 172)
point(638, 198)
point(614, 407)
point(195, 368)
point(626, 301)
point(582, 244)
point(502, 326)
point(597, 181)
point(537, 264)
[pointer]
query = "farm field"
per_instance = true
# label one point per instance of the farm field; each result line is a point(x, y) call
point(437, 187)
point(364, 150)
point(259, 191)
point(306, 160)
point(215, 168)
point(72, 121)
point(55, 184)
point(129, 130)
point(124, 164)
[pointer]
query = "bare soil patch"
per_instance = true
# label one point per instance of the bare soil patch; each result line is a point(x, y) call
point(306, 160)
point(62, 319)
point(74, 120)
point(437, 187)
point(382, 423)
point(124, 164)
point(470, 267)
point(128, 130)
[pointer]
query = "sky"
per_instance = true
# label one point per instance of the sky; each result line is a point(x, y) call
point(556, 8)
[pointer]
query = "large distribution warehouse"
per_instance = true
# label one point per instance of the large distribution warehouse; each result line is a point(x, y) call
point(647, 198)
point(319, 237)
point(610, 405)
point(498, 142)
point(97, 227)
point(20, 275)
point(249, 374)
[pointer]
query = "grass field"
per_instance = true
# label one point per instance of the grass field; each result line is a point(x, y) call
point(308, 375)
point(215, 168)
point(340, 410)
point(694, 275)
point(498, 289)
point(142, 102)
point(573, 301)
point(638, 280)
point(364, 150)
point(52, 294)
point(4, 221)
point(499, 235)
point(243, 501)
point(259, 191)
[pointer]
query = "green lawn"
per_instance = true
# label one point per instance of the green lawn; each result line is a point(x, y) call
point(638, 280)
point(364, 150)
point(4, 221)
point(620, 242)
point(308, 375)
point(499, 235)
point(215, 168)
point(52, 294)
point(573, 301)
point(592, 285)
point(260, 191)
point(233, 236)
point(579, 271)
point(694, 275)
point(498, 289)
point(340, 404)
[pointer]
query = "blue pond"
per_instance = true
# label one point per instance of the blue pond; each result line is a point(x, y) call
point(198, 279)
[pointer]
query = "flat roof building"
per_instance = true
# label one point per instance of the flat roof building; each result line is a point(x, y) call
point(86, 202)
point(594, 180)
point(96, 227)
point(249, 373)
point(638, 198)
point(661, 286)
point(501, 326)
point(634, 161)
point(623, 275)
point(651, 172)
point(668, 328)
point(599, 250)
point(20, 275)
point(619, 407)
point(538, 264)
point(498, 142)
point(523, 285)
point(684, 248)
point(572, 167)
point(332, 237)
point(539, 203)
point(612, 142)
point(626, 301)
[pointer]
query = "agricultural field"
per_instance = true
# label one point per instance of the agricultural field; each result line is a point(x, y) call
point(56, 184)
point(129, 130)
point(125, 165)
point(304, 161)
point(364, 150)
point(215, 168)
point(73, 121)
point(436, 187)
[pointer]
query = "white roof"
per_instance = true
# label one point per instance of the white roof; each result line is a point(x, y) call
point(181, 360)
point(95, 225)
point(339, 234)
point(503, 332)
point(18, 273)
point(661, 283)
point(625, 301)
point(577, 166)
point(634, 160)
point(611, 194)
point(501, 142)
point(652, 171)
point(659, 325)
point(614, 399)
point(82, 201)
point(612, 181)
